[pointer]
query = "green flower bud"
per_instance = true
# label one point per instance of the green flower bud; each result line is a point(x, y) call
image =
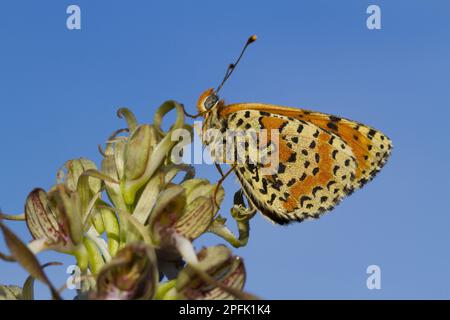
point(97, 221)
point(147, 148)
point(113, 191)
point(138, 150)
point(67, 204)
point(112, 229)
point(74, 170)
point(94, 257)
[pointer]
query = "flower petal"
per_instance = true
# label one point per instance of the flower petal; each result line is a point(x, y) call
point(131, 274)
point(219, 263)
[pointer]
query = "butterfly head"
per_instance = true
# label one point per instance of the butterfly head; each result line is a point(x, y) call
point(208, 100)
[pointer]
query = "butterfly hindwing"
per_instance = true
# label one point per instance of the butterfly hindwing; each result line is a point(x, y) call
point(316, 167)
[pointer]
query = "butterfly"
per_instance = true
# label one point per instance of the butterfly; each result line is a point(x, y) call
point(322, 158)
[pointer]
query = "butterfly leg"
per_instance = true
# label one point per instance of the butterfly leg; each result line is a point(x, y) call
point(219, 183)
point(219, 168)
point(239, 211)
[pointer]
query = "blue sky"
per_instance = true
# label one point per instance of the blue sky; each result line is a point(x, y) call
point(59, 91)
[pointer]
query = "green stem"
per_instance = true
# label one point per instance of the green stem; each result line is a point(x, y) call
point(219, 228)
point(13, 217)
point(164, 288)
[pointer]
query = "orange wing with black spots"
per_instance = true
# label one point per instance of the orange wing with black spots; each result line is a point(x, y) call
point(370, 147)
point(316, 167)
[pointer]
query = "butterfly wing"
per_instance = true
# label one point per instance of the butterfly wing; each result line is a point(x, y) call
point(316, 167)
point(370, 147)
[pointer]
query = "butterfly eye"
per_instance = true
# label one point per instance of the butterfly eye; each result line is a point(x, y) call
point(211, 101)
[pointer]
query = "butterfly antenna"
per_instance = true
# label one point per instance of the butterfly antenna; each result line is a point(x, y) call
point(232, 66)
